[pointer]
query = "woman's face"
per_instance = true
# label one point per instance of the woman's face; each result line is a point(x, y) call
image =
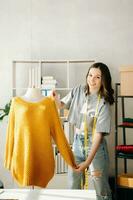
point(94, 80)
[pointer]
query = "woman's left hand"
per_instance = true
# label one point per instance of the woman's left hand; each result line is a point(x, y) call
point(81, 167)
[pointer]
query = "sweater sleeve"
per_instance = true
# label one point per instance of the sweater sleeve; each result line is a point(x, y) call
point(60, 138)
point(9, 138)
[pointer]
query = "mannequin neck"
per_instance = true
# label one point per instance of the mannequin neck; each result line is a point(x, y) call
point(33, 94)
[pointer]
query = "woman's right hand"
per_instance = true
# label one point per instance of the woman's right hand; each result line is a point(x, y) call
point(54, 93)
point(55, 96)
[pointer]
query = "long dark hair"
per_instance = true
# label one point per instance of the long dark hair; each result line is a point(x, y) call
point(106, 89)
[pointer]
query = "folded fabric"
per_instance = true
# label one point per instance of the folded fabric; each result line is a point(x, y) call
point(127, 124)
point(125, 148)
point(49, 81)
point(47, 77)
point(48, 86)
point(128, 120)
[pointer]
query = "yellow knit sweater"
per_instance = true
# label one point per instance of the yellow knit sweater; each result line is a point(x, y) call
point(29, 152)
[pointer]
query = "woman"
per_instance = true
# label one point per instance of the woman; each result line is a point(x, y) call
point(89, 111)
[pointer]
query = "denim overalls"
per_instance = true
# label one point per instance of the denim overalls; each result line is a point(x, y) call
point(74, 101)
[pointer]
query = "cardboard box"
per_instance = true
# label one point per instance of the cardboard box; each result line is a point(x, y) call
point(125, 180)
point(126, 81)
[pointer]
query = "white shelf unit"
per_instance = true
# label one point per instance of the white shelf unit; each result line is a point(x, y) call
point(61, 166)
point(41, 66)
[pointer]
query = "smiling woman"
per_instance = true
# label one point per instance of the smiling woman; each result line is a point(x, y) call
point(89, 111)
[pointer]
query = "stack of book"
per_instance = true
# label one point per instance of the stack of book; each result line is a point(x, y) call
point(48, 84)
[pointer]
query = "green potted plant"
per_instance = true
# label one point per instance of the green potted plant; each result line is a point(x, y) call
point(5, 111)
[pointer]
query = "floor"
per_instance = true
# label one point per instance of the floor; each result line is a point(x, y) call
point(46, 194)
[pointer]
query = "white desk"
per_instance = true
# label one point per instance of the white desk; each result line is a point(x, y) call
point(47, 194)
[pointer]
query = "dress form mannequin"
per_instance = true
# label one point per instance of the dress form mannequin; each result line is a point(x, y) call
point(33, 95)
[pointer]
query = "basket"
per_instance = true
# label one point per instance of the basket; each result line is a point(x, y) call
point(125, 180)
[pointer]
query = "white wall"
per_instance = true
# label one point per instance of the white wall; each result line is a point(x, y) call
point(64, 29)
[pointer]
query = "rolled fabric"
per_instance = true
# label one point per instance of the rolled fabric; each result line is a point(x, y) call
point(125, 148)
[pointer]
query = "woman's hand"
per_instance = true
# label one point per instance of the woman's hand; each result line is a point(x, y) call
point(96, 143)
point(81, 167)
point(55, 96)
